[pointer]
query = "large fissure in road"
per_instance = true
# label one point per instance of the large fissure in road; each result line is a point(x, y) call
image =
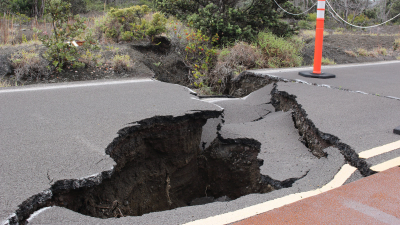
point(311, 136)
point(160, 166)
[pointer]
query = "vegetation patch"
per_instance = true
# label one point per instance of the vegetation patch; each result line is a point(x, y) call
point(28, 65)
point(327, 61)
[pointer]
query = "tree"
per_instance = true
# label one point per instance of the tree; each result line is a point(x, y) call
point(5, 6)
point(349, 10)
point(231, 19)
point(59, 51)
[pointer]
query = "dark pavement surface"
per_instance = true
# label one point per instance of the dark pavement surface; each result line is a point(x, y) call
point(380, 78)
point(61, 131)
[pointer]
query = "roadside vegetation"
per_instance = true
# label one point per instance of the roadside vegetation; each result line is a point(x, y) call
point(216, 40)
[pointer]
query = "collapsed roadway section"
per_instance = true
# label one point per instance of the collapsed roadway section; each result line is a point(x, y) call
point(224, 151)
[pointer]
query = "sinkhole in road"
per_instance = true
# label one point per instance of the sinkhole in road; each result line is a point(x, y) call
point(160, 166)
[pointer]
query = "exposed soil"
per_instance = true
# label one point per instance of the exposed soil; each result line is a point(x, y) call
point(336, 45)
point(149, 59)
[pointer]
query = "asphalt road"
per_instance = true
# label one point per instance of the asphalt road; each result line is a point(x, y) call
point(380, 78)
point(60, 132)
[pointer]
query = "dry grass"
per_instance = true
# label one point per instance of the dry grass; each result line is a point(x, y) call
point(4, 84)
point(363, 52)
point(396, 44)
point(326, 61)
point(379, 51)
point(306, 34)
point(233, 60)
point(374, 53)
point(350, 53)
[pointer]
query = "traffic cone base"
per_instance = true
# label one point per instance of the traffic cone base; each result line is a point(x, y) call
point(317, 75)
point(319, 39)
point(396, 130)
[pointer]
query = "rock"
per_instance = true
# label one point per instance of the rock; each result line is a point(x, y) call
point(223, 199)
point(202, 201)
point(5, 66)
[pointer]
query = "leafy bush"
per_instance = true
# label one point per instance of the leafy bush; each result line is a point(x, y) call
point(358, 20)
point(59, 51)
point(21, 6)
point(303, 24)
point(280, 52)
point(78, 6)
point(156, 25)
point(91, 59)
point(130, 23)
point(28, 65)
point(371, 13)
point(199, 55)
point(118, 21)
point(122, 63)
point(312, 17)
point(226, 18)
point(127, 36)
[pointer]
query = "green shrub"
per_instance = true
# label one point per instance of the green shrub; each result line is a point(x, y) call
point(59, 51)
point(312, 17)
point(358, 20)
point(227, 19)
point(21, 6)
point(303, 24)
point(78, 6)
point(28, 65)
point(122, 63)
point(91, 59)
point(280, 52)
point(156, 25)
point(130, 23)
point(127, 35)
point(199, 55)
point(371, 13)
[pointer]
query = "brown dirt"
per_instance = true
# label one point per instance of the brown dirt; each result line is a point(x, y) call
point(336, 45)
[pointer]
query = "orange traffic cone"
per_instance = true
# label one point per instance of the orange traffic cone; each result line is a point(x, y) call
point(319, 37)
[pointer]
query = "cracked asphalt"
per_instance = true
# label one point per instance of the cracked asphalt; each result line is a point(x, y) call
point(60, 131)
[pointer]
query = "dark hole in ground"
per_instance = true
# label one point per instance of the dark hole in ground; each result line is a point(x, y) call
point(160, 166)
